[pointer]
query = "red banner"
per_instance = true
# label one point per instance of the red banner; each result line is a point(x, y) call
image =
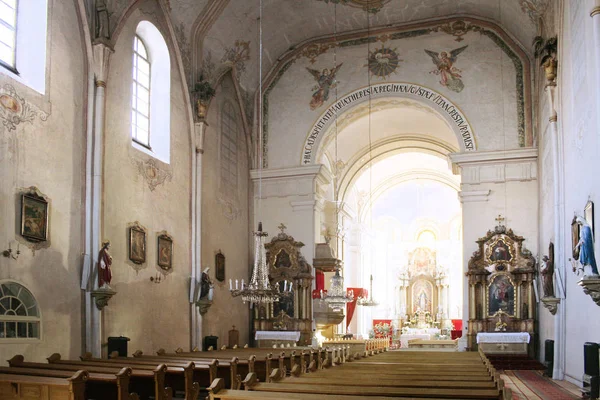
point(351, 306)
point(383, 328)
point(319, 280)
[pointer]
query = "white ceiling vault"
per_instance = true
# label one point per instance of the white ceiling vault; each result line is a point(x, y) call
point(287, 23)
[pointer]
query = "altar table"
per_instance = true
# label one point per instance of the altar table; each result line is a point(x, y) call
point(503, 342)
point(405, 337)
point(423, 331)
point(270, 338)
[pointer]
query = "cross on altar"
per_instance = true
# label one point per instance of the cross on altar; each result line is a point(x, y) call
point(499, 219)
point(282, 227)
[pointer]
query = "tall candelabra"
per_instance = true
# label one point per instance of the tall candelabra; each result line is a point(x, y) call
point(259, 290)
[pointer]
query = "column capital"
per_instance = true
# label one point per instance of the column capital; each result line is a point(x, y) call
point(595, 11)
point(102, 54)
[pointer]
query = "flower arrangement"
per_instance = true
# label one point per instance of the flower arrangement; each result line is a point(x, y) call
point(500, 326)
point(382, 330)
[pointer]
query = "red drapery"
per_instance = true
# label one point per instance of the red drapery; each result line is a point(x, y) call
point(351, 306)
point(319, 280)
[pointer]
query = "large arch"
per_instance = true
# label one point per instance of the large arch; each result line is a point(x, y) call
point(424, 96)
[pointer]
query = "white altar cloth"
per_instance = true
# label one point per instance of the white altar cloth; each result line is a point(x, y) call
point(423, 331)
point(277, 335)
point(404, 338)
point(503, 337)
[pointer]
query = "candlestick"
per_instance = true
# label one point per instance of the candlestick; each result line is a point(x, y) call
point(236, 284)
point(230, 285)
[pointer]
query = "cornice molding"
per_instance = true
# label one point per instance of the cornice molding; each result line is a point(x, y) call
point(310, 171)
point(494, 157)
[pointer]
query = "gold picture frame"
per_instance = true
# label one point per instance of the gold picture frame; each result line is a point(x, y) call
point(501, 295)
point(34, 217)
point(164, 257)
point(220, 266)
point(500, 251)
point(137, 245)
point(588, 213)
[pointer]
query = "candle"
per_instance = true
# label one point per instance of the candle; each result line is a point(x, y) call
point(242, 284)
point(236, 284)
point(291, 283)
point(230, 285)
point(321, 293)
point(284, 286)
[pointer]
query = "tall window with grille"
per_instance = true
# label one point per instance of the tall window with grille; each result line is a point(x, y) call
point(8, 33)
point(229, 152)
point(19, 313)
point(140, 107)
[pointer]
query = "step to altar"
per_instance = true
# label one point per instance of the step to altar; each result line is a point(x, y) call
point(433, 344)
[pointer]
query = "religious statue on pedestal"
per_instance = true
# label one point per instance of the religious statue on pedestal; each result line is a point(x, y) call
point(104, 263)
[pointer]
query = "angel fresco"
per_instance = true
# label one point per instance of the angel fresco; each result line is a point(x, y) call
point(449, 74)
point(325, 81)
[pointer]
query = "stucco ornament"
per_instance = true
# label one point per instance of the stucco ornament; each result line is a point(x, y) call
point(153, 175)
point(15, 110)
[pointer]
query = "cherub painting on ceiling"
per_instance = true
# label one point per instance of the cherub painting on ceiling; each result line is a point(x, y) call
point(450, 76)
point(325, 82)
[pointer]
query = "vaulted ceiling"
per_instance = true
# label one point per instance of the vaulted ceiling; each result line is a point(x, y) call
point(216, 25)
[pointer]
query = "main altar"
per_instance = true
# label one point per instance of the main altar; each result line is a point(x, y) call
point(501, 293)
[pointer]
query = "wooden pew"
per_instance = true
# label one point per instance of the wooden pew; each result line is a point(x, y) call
point(463, 391)
point(202, 372)
point(15, 387)
point(145, 382)
point(101, 386)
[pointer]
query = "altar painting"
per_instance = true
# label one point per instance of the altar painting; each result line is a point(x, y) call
point(500, 251)
point(422, 296)
point(501, 295)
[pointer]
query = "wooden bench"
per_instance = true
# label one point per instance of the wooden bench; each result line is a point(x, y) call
point(16, 387)
point(145, 382)
point(102, 386)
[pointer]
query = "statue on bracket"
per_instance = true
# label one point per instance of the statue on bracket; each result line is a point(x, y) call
point(104, 263)
point(585, 249)
point(547, 272)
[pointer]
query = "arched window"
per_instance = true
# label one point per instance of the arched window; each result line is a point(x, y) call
point(140, 114)
point(23, 26)
point(229, 150)
point(151, 93)
point(19, 313)
point(8, 32)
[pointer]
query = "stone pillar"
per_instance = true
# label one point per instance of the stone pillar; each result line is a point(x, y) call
point(196, 270)
point(101, 52)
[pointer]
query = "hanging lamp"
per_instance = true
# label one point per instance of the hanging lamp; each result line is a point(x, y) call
point(364, 301)
point(337, 297)
point(259, 290)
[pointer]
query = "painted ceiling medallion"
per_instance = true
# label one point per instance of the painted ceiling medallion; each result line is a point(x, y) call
point(383, 62)
point(372, 6)
point(151, 172)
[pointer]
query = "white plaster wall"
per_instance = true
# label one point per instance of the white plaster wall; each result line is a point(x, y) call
point(488, 99)
point(152, 315)
point(51, 156)
point(225, 223)
point(578, 119)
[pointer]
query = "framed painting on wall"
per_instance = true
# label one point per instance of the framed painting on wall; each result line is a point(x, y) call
point(34, 217)
point(165, 252)
point(588, 213)
point(137, 245)
point(501, 295)
point(220, 266)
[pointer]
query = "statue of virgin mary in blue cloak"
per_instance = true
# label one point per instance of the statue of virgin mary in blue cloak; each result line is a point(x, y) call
point(586, 249)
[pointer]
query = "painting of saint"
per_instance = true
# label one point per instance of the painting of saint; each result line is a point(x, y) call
point(500, 252)
point(165, 252)
point(450, 76)
point(501, 295)
point(283, 260)
point(137, 245)
point(34, 218)
point(325, 82)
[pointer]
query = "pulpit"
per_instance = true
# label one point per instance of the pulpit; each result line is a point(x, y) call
point(501, 293)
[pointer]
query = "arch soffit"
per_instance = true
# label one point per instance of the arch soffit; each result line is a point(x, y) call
point(388, 147)
point(395, 180)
